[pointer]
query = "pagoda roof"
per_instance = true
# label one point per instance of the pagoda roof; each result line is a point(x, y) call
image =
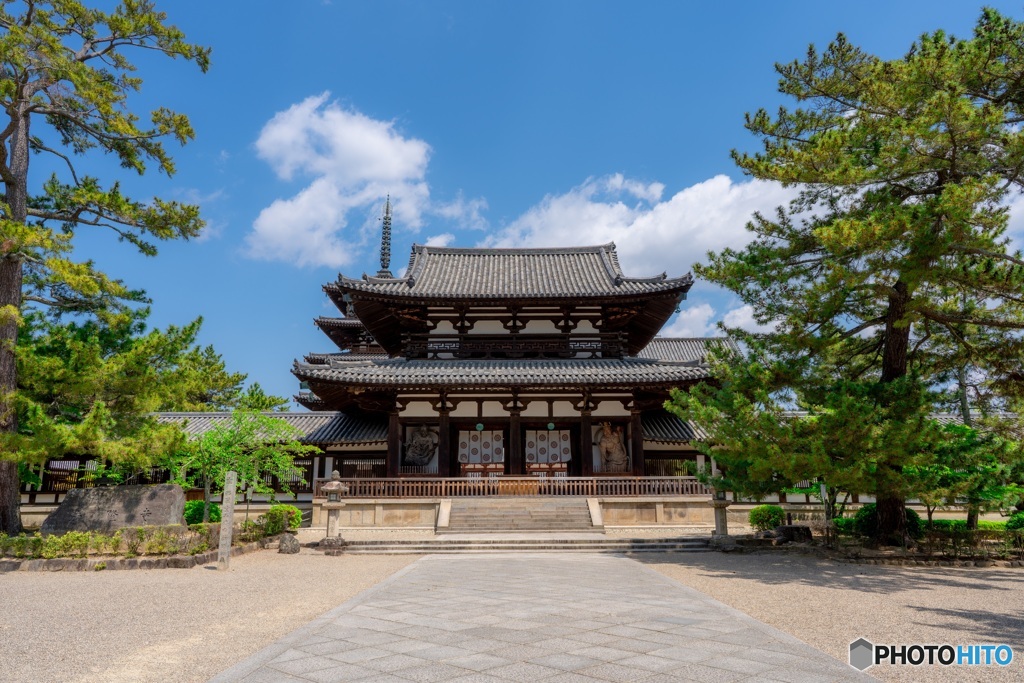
point(684, 348)
point(322, 358)
point(450, 273)
point(401, 373)
point(317, 428)
point(339, 323)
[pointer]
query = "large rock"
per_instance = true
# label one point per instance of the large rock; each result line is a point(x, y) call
point(289, 544)
point(108, 509)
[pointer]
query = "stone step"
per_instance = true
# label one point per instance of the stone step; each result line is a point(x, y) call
point(518, 514)
point(428, 547)
point(700, 541)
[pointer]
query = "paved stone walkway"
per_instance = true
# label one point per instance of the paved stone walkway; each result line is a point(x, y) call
point(551, 618)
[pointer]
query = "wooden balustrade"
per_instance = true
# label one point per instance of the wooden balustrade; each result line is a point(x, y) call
point(490, 346)
point(421, 487)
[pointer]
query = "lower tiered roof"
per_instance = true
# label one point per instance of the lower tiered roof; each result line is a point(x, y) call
point(328, 428)
point(400, 373)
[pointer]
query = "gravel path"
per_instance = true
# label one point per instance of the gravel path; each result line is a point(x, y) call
point(170, 625)
point(829, 605)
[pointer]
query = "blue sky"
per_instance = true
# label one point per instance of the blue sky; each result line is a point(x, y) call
point(489, 123)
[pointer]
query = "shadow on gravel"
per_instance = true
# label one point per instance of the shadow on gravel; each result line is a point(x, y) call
point(990, 627)
point(772, 570)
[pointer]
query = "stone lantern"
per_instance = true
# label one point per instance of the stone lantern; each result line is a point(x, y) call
point(333, 490)
point(719, 503)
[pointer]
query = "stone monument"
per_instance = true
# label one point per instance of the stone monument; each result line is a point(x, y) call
point(107, 509)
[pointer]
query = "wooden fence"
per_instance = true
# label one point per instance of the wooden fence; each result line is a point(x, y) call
point(519, 486)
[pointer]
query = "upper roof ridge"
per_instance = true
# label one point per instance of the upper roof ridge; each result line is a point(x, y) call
point(483, 251)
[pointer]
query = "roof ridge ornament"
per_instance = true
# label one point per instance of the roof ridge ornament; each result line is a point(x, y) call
point(385, 242)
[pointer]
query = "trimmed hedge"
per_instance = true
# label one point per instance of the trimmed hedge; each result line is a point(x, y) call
point(1016, 522)
point(961, 525)
point(766, 517)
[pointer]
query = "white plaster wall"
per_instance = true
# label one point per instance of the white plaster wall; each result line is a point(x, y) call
point(536, 409)
point(419, 409)
point(540, 327)
point(610, 409)
point(488, 327)
point(465, 409)
point(494, 409)
point(564, 409)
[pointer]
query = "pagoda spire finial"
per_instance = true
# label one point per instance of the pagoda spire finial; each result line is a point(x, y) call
point(385, 242)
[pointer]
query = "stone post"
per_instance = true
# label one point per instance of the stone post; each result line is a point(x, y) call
point(227, 519)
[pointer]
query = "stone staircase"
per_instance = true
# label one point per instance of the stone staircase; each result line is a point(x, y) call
point(515, 543)
point(489, 515)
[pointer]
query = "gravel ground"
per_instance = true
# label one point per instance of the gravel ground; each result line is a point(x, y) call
point(169, 625)
point(829, 604)
point(187, 625)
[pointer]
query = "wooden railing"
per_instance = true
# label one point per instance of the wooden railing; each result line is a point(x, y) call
point(519, 486)
point(599, 345)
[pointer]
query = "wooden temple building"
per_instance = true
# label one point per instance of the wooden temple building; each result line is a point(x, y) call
point(506, 363)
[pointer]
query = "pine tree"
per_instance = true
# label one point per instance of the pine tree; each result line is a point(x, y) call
point(898, 233)
point(64, 87)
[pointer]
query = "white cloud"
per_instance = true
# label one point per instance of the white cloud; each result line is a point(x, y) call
point(702, 320)
point(743, 318)
point(652, 235)
point(349, 162)
point(442, 240)
point(693, 321)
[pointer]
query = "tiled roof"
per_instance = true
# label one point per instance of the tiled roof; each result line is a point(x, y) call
point(399, 372)
point(318, 428)
point(339, 323)
point(663, 427)
point(446, 272)
point(683, 348)
point(324, 358)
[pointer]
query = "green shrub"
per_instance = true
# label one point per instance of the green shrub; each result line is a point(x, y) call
point(24, 546)
point(765, 517)
point(844, 525)
point(865, 522)
point(1016, 522)
point(290, 518)
point(194, 512)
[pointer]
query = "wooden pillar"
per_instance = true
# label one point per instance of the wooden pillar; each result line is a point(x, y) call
point(444, 456)
point(586, 444)
point(515, 444)
point(637, 439)
point(394, 456)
